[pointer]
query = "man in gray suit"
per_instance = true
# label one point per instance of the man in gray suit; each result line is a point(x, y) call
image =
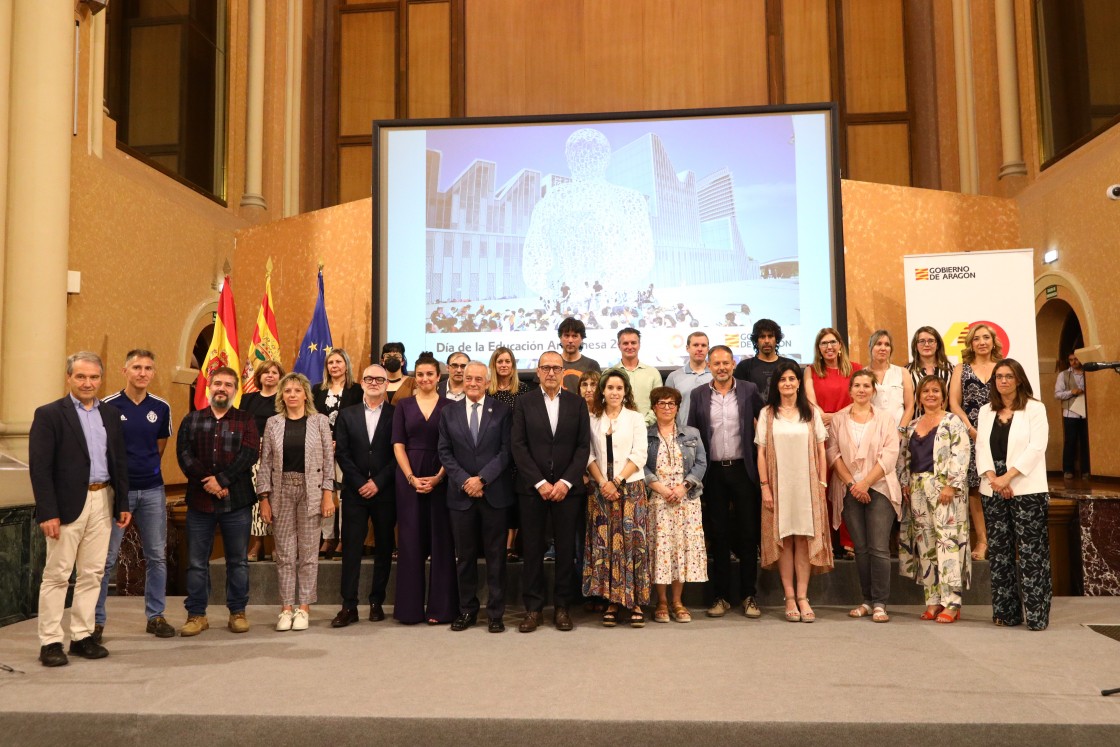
point(474, 448)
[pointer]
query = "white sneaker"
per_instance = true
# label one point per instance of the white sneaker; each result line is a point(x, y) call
point(300, 621)
point(285, 621)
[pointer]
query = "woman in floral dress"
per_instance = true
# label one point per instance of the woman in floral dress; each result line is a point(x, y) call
point(674, 473)
point(933, 466)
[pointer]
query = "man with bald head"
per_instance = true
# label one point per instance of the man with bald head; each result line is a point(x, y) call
point(364, 451)
point(474, 449)
point(551, 442)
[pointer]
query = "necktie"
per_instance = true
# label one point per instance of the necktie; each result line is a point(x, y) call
point(474, 421)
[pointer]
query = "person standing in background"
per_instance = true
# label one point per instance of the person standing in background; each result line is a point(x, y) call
point(766, 336)
point(571, 332)
point(692, 374)
point(1070, 391)
point(643, 379)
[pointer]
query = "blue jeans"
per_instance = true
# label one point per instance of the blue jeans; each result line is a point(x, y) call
point(149, 514)
point(200, 544)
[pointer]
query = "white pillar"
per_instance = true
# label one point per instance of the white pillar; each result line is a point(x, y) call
point(966, 97)
point(1008, 67)
point(253, 195)
point(95, 109)
point(293, 98)
point(38, 228)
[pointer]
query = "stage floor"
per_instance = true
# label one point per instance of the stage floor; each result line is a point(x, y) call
point(724, 681)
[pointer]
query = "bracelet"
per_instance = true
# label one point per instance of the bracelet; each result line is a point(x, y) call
point(823, 483)
point(410, 479)
point(764, 483)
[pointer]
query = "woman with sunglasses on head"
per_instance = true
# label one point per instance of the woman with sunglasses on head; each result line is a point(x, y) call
point(1011, 460)
point(968, 393)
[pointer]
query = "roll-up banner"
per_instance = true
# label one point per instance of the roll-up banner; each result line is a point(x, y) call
point(951, 292)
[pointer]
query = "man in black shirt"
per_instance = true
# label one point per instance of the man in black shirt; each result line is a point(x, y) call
point(766, 336)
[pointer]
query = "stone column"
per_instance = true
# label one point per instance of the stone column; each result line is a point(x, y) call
point(966, 97)
point(1008, 66)
point(38, 209)
point(95, 111)
point(253, 195)
point(293, 97)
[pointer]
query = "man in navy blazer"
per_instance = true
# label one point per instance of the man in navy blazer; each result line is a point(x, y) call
point(79, 474)
point(725, 411)
point(364, 452)
point(551, 442)
point(474, 448)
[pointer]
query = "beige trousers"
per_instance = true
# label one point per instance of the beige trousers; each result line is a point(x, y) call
point(82, 545)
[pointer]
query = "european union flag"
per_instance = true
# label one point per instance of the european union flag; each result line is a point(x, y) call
point(316, 345)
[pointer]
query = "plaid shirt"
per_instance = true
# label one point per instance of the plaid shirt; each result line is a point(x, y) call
point(226, 448)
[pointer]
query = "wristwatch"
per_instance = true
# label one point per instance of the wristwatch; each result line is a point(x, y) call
point(849, 484)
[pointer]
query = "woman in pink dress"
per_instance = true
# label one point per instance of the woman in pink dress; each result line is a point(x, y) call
point(826, 386)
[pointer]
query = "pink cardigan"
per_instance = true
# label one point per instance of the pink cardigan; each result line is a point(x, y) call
point(879, 445)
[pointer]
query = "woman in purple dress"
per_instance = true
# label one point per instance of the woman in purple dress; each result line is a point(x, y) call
point(423, 524)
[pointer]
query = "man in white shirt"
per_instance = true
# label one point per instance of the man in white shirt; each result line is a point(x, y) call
point(1070, 390)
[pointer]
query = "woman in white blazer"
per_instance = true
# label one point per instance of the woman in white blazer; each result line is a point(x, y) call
point(1011, 460)
point(616, 560)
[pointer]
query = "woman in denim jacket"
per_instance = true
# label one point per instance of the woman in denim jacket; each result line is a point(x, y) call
point(675, 468)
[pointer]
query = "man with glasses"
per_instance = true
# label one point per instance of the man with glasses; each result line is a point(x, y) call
point(551, 442)
point(452, 386)
point(474, 449)
point(364, 452)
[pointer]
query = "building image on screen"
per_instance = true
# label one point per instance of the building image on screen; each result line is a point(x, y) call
point(666, 226)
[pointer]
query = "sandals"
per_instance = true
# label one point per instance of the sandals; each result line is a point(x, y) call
point(950, 614)
point(806, 617)
point(980, 554)
point(880, 615)
point(661, 614)
point(681, 614)
point(930, 614)
point(637, 618)
point(861, 611)
point(794, 615)
point(511, 556)
point(610, 617)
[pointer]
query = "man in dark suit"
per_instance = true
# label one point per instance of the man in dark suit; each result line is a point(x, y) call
point(551, 441)
point(79, 474)
point(474, 447)
point(725, 411)
point(364, 451)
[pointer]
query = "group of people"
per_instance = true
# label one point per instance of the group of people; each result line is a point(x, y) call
point(633, 486)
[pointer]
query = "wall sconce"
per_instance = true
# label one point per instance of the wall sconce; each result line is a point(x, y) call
point(1050, 256)
point(95, 6)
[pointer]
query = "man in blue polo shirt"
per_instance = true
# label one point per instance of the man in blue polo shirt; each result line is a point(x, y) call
point(146, 421)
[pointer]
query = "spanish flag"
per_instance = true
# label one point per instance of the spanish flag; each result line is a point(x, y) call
point(223, 348)
point(266, 338)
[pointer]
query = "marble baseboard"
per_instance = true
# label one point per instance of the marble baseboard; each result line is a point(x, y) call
point(1100, 546)
point(22, 554)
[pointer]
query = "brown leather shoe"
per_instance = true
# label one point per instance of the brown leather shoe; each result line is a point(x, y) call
point(562, 619)
point(531, 622)
point(344, 617)
point(376, 614)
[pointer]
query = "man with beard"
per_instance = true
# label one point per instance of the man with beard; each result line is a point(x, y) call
point(217, 447)
point(766, 336)
point(571, 332)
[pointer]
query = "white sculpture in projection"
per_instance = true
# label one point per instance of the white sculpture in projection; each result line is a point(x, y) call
point(588, 229)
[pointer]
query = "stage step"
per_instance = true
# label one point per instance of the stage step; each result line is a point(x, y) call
point(840, 587)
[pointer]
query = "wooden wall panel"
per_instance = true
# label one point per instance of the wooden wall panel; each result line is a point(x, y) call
point(1102, 27)
point(879, 153)
point(808, 67)
point(588, 55)
point(874, 56)
point(367, 70)
point(355, 172)
point(429, 60)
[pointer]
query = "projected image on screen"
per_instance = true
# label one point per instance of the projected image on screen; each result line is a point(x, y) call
point(663, 225)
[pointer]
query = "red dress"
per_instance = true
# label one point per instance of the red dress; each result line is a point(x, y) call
point(832, 396)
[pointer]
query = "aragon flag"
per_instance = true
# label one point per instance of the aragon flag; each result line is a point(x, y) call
point(223, 348)
point(266, 339)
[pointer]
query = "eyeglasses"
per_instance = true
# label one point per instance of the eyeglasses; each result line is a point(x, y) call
point(456, 365)
point(829, 343)
point(550, 369)
point(926, 341)
point(373, 379)
point(667, 404)
point(1005, 377)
